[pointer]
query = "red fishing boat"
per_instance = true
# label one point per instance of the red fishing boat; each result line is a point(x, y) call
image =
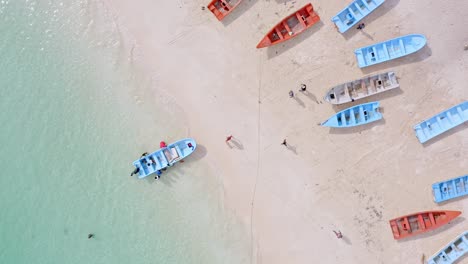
point(290, 26)
point(222, 8)
point(418, 223)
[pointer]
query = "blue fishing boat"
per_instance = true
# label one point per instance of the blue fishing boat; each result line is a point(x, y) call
point(450, 189)
point(354, 12)
point(355, 116)
point(167, 156)
point(451, 253)
point(389, 50)
point(442, 122)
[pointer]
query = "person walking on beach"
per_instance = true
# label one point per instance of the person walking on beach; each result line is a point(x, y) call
point(303, 87)
point(284, 143)
point(338, 234)
point(158, 175)
point(291, 94)
point(228, 138)
point(361, 26)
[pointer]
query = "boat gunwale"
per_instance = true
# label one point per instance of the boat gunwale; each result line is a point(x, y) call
point(346, 9)
point(283, 20)
point(369, 76)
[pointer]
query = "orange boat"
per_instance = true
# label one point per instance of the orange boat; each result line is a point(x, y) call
point(222, 8)
point(418, 223)
point(290, 26)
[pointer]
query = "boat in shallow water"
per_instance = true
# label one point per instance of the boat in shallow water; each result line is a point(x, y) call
point(442, 122)
point(354, 12)
point(450, 189)
point(162, 158)
point(452, 252)
point(355, 116)
point(389, 50)
point(362, 88)
point(290, 26)
point(222, 8)
point(418, 223)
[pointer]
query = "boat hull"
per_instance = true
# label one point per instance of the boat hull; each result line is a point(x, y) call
point(452, 252)
point(418, 223)
point(450, 189)
point(290, 26)
point(354, 12)
point(442, 122)
point(222, 8)
point(164, 157)
point(362, 88)
point(354, 116)
point(389, 50)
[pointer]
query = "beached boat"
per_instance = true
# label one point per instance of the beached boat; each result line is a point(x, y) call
point(355, 116)
point(354, 12)
point(362, 88)
point(389, 50)
point(442, 122)
point(450, 189)
point(290, 26)
point(419, 223)
point(164, 157)
point(222, 8)
point(452, 252)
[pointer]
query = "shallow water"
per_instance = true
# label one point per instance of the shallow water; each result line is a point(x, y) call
point(73, 120)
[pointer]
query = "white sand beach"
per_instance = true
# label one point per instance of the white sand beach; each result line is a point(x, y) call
point(352, 180)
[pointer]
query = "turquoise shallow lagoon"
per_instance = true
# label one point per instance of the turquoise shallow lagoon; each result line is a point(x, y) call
point(72, 123)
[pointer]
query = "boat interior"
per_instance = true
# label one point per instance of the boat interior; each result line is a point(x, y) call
point(453, 251)
point(293, 24)
point(225, 5)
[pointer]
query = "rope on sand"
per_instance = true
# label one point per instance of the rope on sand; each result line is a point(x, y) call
point(258, 158)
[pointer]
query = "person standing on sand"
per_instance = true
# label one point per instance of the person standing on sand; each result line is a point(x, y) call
point(338, 234)
point(291, 94)
point(361, 26)
point(228, 138)
point(303, 87)
point(284, 143)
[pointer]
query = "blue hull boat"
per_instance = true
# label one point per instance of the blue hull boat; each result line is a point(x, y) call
point(164, 157)
point(451, 253)
point(442, 122)
point(389, 50)
point(450, 189)
point(354, 12)
point(355, 116)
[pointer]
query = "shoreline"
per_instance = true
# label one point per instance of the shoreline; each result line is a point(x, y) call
point(213, 71)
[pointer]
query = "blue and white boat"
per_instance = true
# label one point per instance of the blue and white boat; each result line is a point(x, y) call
point(450, 189)
point(389, 50)
point(451, 253)
point(355, 116)
point(164, 157)
point(354, 12)
point(442, 122)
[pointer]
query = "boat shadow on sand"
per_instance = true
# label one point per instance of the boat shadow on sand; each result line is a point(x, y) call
point(357, 129)
point(237, 12)
point(377, 13)
point(419, 56)
point(446, 134)
point(444, 228)
point(276, 50)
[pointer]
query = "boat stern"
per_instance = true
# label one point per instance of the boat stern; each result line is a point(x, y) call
point(360, 58)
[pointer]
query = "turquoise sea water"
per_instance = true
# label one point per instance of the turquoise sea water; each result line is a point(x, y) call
point(72, 122)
